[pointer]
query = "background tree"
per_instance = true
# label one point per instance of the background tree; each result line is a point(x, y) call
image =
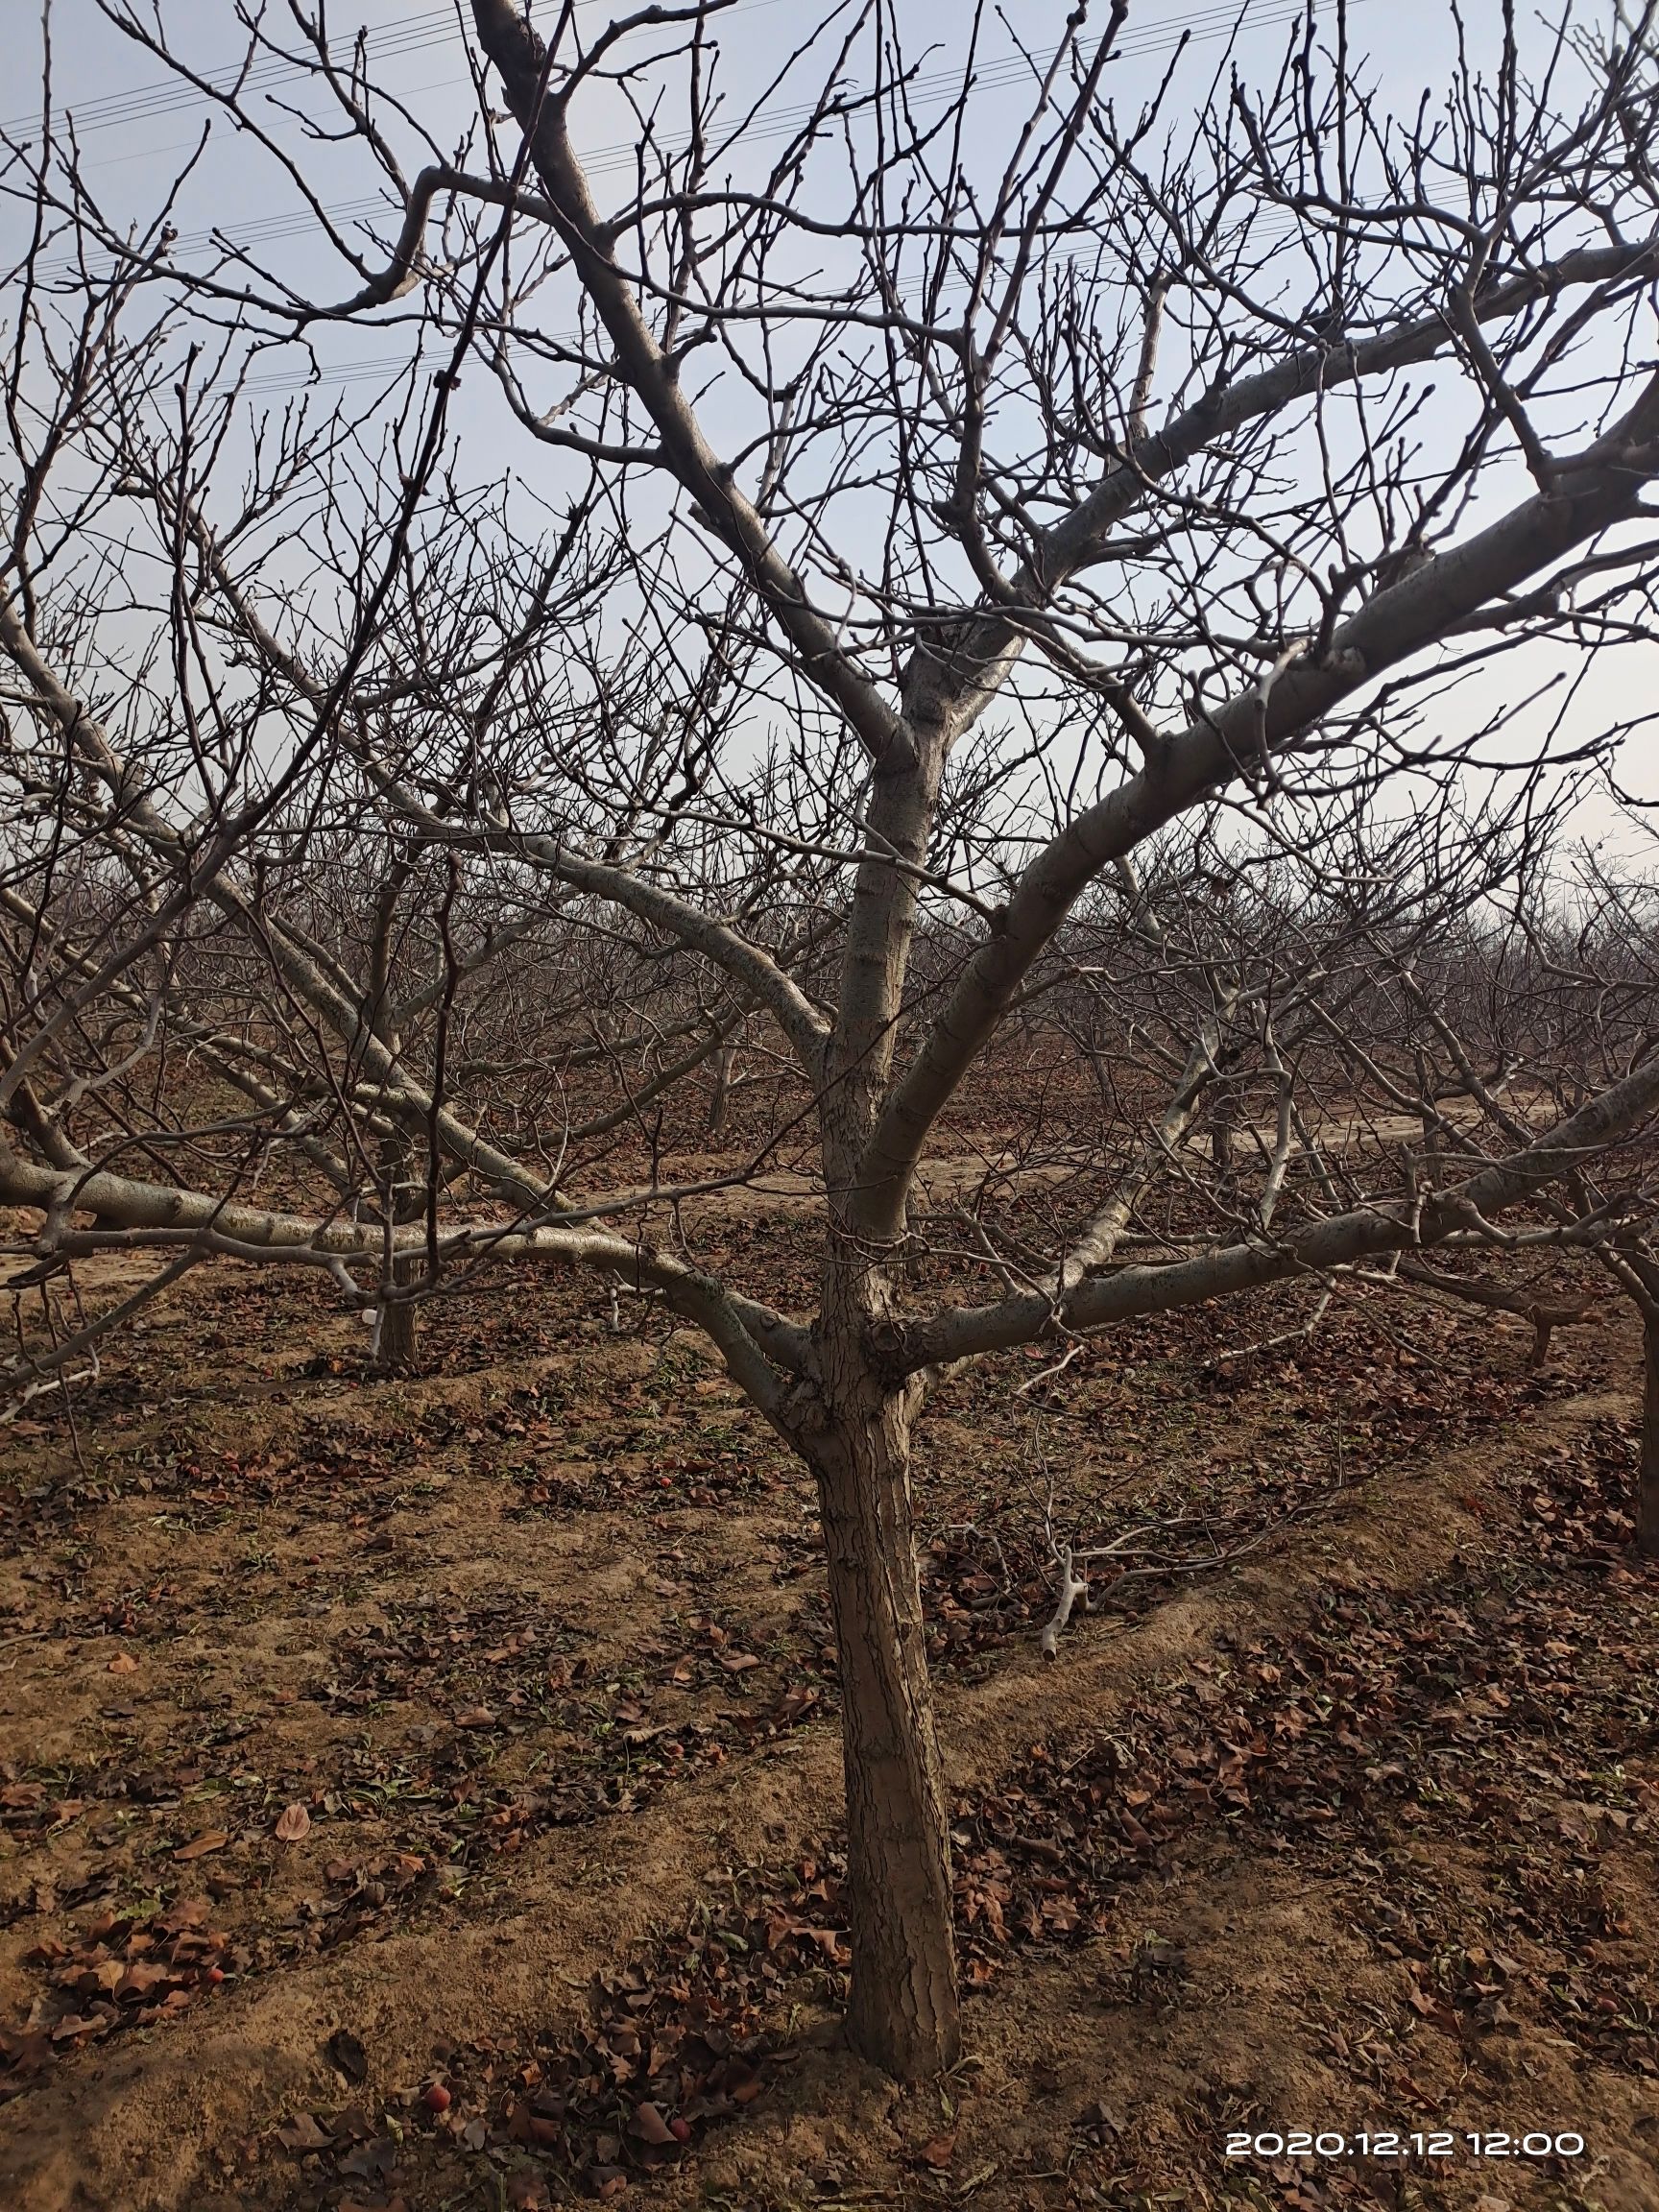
point(1527, 1019)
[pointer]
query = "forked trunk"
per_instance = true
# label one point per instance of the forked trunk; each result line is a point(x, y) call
point(1648, 1474)
point(902, 2014)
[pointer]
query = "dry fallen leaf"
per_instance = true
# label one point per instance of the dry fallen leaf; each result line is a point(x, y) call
point(345, 2053)
point(293, 1824)
point(122, 1663)
point(650, 2125)
point(199, 1846)
point(302, 2133)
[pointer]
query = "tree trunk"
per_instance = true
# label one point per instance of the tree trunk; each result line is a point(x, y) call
point(397, 1328)
point(1222, 1138)
point(903, 2013)
point(1648, 1474)
point(396, 1336)
point(719, 1104)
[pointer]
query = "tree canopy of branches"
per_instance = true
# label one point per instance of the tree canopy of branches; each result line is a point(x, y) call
point(985, 563)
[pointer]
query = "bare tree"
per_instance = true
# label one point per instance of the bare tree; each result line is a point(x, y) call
point(1527, 1022)
point(946, 525)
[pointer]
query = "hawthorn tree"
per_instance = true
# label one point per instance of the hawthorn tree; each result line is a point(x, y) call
point(946, 499)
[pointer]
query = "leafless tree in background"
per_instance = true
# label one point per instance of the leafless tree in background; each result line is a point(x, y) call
point(957, 567)
point(1529, 1021)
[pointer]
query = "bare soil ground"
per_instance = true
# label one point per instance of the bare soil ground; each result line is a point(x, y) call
point(427, 1793)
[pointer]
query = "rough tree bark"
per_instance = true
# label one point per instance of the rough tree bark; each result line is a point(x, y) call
point(1221, 1122)
point(396, 1339)
point(397, 1327)
point(1648, 1473)
point(903, 2013)
point(720, 1103)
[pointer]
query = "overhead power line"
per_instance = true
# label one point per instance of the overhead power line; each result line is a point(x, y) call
point(777, 122)
point(436, 27)
point(1161, 34)
point(170, 95)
